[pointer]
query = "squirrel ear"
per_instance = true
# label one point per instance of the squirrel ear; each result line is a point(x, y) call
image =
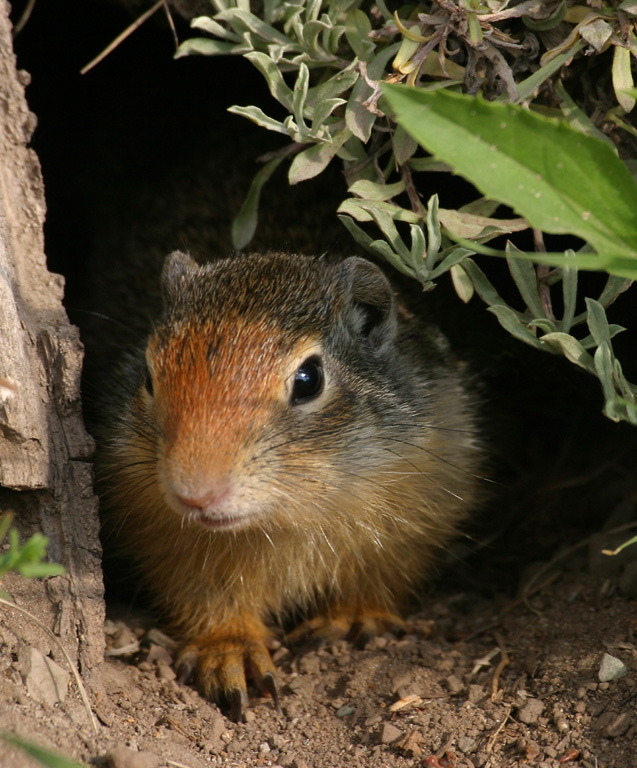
point(372, 299)
point(178, 268)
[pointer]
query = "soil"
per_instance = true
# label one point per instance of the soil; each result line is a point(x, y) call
point(483, 676)
point(475, 682)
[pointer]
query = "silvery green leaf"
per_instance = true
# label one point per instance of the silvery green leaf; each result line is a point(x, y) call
point(385, 222)
point(629, 7)
point(359, 234)
point(322, 111)
point(213, 28)
point(525, 278)
point(299, 96)
point(588, 342)
point(292, 129)
point(569, 293)
point(337, 84)
point(260, 118)
point(434, 235)
point(597, 322)
point(277, 85)
point(310, 34)
point(357, 117)
point(357, 29)
point(245, 222)
point(603, 359)
point(453, 258)
point(613, 288)
point(312, 9)
point(382, 248)
point(543, 323)
point(312, 161)
point(461, 283)
point(363, 210)
point(404, 145)
point(510, 321)
point(220, 5)
point(204, 46)
point(483, 287)
point(254, 24)
point(570, 347)
point(370, 190)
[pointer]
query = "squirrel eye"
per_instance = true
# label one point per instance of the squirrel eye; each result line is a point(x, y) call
point(308, 381)
point(148, 382)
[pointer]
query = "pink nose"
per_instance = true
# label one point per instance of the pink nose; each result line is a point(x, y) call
point(204, 500)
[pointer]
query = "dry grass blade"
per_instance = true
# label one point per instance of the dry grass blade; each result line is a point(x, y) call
point(122, 36)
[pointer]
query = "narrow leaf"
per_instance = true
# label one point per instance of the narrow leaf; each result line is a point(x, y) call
point(312, 161)
point(245, 222)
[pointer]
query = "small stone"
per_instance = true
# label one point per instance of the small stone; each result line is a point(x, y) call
point(475, 693)
point(345, 710)
point(45, 680)
point(530, 711)
point(157, 654)
point(618, 726)
point(454, 684)
point(390, 733)
point(123, 757)
point(611, 668)
point(465, 743)
point(165, 672)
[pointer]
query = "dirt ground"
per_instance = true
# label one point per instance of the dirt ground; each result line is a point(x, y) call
point(475, 682)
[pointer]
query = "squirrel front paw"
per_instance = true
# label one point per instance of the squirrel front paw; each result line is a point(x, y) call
point(221, 660)
point(358, 625)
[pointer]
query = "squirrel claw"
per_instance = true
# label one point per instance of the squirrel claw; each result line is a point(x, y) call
point(359, 628)
point(237, 704)
point(269, 685)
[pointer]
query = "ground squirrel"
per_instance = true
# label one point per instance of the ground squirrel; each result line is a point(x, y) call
point(291, 439)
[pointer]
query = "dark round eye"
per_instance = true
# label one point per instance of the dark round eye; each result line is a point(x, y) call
point(308, 381)
point(148, 382)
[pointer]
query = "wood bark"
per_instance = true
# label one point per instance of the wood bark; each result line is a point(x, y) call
point(45, 452)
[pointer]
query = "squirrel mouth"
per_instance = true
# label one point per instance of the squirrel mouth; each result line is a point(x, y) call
point(221, 522)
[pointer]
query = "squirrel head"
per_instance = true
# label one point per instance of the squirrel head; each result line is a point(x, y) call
point(254, 358)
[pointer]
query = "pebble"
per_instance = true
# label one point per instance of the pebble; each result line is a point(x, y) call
point(611, 668)
point(618, 726)
point(465, 744)
point(123, 757)
point(530, 711)
point(475, 693)
point(390, 733)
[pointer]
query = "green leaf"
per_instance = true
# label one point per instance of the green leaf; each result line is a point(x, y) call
point(245, 222)
point(259, 117)
point(312, 161)
point(43, 756)
point(41, 570)
point(540, 167)
point(357, 29)
point(205, 47)
point(370, 190)
point(570, 347)
point(461, 283)
point(510, 321)
point(622, 77)
point(272, 74)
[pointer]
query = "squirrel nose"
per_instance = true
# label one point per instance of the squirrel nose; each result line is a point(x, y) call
point(203, 500)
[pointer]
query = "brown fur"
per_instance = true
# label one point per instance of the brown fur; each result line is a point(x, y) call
point(349, 496)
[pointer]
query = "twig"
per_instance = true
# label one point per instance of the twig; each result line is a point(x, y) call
point(26, 15)
point(496, 733)
point(69, 660)
point(504, 662)
point(122, 36)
